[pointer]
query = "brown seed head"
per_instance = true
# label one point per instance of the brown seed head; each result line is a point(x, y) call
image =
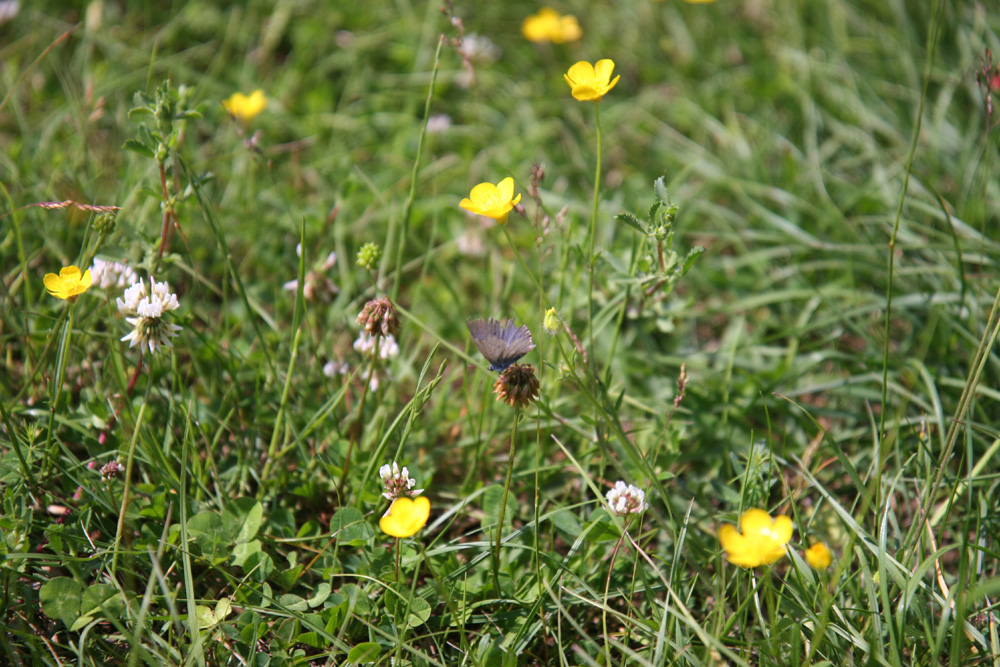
point(517, 385)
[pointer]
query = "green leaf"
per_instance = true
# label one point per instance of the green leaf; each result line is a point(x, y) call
point(320, 595)
point(367, 652)
point(631, 221)
point(567, 523)
point(292, 602)
point(243, 551)
point(137, 146)
point(242, 518)
point(691, 258)
point(206, 529)
point(420, 611)
point(102, 600)
point(260, 564)
point(350, 527)
point(660, 186)
point(492, 497)
point(60, 598)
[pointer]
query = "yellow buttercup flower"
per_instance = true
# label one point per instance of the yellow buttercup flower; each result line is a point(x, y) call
point(493, 201)
point(549, 26)
point(69, 284)
point(819, 556)
point(405, 516)
point(761, 539)
point(591, 82)
point(245, 107)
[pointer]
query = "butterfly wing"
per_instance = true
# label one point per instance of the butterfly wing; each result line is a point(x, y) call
point(501, 343)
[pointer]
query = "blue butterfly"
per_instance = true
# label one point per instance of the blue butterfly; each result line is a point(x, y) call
point(501, 343)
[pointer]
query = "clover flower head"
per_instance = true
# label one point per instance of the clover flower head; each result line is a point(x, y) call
point(317, 285)
point(145, 312)
point(492, 201)
point(335, 368)
point(111, 469)
point(398, 483)
point(478, 48)
point(405, 516)
point(549, 26)
point(591, 82)
point(517, 385)
point(819, 556)
point(244, 107)
point(8, 10)
point(760, 540)
point(69, 284)
point(438, 123)
point(128, 303)
point(626, 499)
point(378, 317)
point(111, 274)
point(387, 347)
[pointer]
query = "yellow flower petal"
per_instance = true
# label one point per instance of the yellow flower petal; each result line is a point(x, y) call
point(69, 284)
point(819, 556)
point(505, 189)
point(245, 107)
point(579, 72)
point(603, 69)
point(492, 201)
point(585, 92)
point(405, 516)
point(760, 540)
point(590, 83)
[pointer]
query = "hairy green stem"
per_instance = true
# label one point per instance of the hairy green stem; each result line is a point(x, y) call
point(593, 233)
point(503, 502)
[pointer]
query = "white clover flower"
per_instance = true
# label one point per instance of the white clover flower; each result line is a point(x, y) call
point(335, 368)
point(317, 285)
point(397, 482)
point(438, 123)
point(8, 10)
point(478, 48)
point(107, 274)
point(386, 348)
point(128, 303)
point(150, 330)
point(624, 500)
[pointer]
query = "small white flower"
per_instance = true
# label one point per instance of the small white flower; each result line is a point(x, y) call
point(335, 368)
point(107, 274)
point(438, 123)
point(628, 499)
point(317, 285)
point(128, 303)
point(386, 348)
point(150, 330)
point(478, 48)
point(8, 10)
point(397, 482)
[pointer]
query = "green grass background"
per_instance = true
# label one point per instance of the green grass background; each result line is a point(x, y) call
point(798, 139)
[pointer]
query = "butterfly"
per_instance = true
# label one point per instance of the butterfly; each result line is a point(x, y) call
point(501, 343)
